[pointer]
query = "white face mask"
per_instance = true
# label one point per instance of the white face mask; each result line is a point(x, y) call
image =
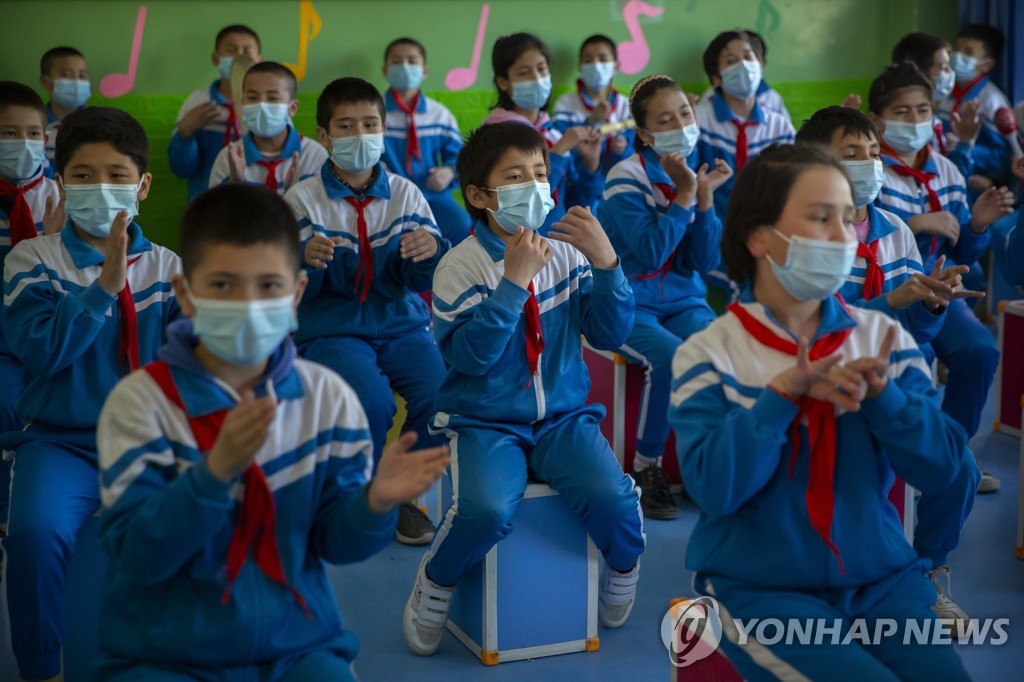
point(93, 208)
point(742, 79)
point(356, 153)
point(867, 177)
point(907, 138)
point(682, 140)
point(244, 332)
point(815, 268)
point(943, 85)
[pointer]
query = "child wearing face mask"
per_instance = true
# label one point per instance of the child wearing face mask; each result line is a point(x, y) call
point(596, 101)
point(767, 96)
point(793, 413)
point(371, 245)
point(230, 394)
point(272, 154)
point(522, 78)
point(509, 306)
point(63, 74)
point(660, 217)
point(208, 121)
point(422, 140)
point(83, 308)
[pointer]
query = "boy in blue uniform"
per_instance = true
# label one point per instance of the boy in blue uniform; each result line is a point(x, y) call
point(422, 140)
point(228, 404)
point(767, 96)
point(509, 308)
point(82, 308)
point(208, 121)
point(371, 244)
point(64, 74)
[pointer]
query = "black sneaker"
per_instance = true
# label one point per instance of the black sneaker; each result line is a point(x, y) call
point(414, 528)
point(655, 497)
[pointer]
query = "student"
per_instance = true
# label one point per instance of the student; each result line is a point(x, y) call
point(523, 80)
point(927, 191)
point(660, 218)
point(789, 511)
point(977, 48)
point(734, 126)
point(1012, 257)
point(509, 308)
point(229, 404)
point(422, 140)
point(272, 154)
point(371, 245)
point(208, 121)
point(596, 101)
point(83, 308)
point(64, 75)
point(767, 96)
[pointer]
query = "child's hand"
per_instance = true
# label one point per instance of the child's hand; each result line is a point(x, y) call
point(572, 137)
point(115, 262)
point(597, 115)
point(682, 176)
point(319, 250)
point(851, 101)
point(822, 379)
point(693, 98)
point(243, 433)
point(1018, 168)
point(403, 475)
point(525, 256)
point(993, 204)
point(439, 177)
point(941, 223)
point(953, 278)
point(54, 217)
point(873, 370)
point(619, 144)
point(417, 246)
point(292, 176)
point(199, 117)
point(966, 123)
point(708, 182)
point(590, 151)
point(236, 163)
point(581, 229)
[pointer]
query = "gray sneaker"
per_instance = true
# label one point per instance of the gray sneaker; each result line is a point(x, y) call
point(414, 528)
point(426, 613)
point(616, 595)
point(944, 607)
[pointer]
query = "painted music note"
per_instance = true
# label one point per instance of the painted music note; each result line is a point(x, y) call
point(768, 18)
point(634, 53)
point(463, 77)
point(309, 28)
point(117, 84)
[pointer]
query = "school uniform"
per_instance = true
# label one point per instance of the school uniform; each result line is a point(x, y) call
point(574, 108)
point(962, 344)
point(168, 523)
point(418, 139)
point(773, 539)
point(362, 316)
point(271, 172)
point(1013, 258)
point(50, 140)
point(665, 249)
point(75, 341)
point(959, 152)
point(767, 96)
point(192, 159)
point(571, 183)
point(992, 153)
point(506, 415)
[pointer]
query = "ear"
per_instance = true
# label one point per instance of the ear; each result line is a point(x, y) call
point(426, 71)
point(147, 181)
point(384, 71)
point(46, 83)
point(878, 121)
point(645, 137)
point(324, 138)
point(477, 198)
point(716, 81)
point(757, 242)
point(300, 288)
point(214, 58)
point(504, 84)
point(293, 108)
point(987, 66)
point(181, 293)
point(257, 59)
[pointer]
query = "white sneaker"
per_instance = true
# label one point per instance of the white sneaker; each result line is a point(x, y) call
point(616, 595)
point(989, 483)
point(944, 606)
point(426, 612)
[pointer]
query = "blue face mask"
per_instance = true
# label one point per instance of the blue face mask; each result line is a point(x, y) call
point(244, 332)
point(742, 80)
point(597, 75)
point(265, 119)
point(815, 268)
point(94, 207)
point(224, 66)
point(867, 178)
point(964, 66)
point(524, 204)
point(20, 159)
point(405, 76)
point(357, 153)
point(907, 138)
point(943, 85)
point(71, 93)
point(682, 140)
point(531, 94)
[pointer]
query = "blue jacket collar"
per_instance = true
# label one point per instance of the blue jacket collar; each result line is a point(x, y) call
point(763, 87)
point(50, 116)
point(929, 163)
point(292, 144)
point(391, 105)
point(878, 225)
point(84, 255)
point(491, 242)
point(724, 113)
point(336, 189)
point(834, 315)
point(588, 101)
point(215, 95)
point(652, 166)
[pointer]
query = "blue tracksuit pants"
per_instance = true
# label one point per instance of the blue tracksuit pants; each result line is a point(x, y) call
point(968, 349)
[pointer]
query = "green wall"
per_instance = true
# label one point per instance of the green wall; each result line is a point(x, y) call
point(818, 49)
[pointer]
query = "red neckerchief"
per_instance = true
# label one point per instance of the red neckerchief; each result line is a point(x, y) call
point(21, 223)
point(874, 279)
point(256, 526)
point(534, 333)
point(231, 130)
point(128, 327)
point(940, 136)
point(922, 178)
point(821, 427)
point(271, 166)
point(364, 275)
point(670, 193)
point(412, 147)
point(960, 91)
point(741, 142)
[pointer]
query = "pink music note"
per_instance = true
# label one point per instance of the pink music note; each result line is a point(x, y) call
point(634, 53)
point(462, 77)
point(117, 84)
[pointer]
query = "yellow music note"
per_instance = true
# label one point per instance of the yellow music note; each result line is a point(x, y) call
point(309, 28)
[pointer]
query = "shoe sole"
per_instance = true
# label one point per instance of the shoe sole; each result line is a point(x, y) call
point(415, 542)
point(986, 488)
point(660, 514)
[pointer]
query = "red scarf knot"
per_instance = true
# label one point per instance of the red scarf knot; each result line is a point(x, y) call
point(21, 223)
point(364, 275)
point(412, 147)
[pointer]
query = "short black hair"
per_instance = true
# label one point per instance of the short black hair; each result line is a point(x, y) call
point(638, 102)
point(102, 124)
point(13, 94)
point(506, 50)
point(895, 78)
point(600, 39)
point(236, 28)
point(990, 36)
point(348, 90)
point(820, 127)
point(46, 63)
point(718, 44)
point(405, 41)
point(919, 48)
point(484, 148)
point(760, 195)
point(757, 42)
point(278, 70)
point(241, 215)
